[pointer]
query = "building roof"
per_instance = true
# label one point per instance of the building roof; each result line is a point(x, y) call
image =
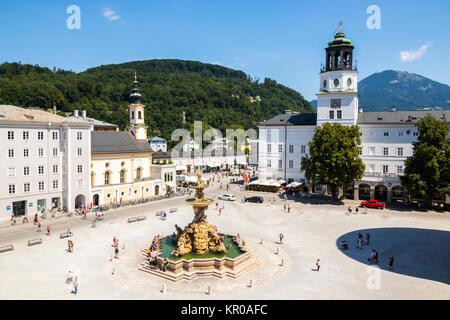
point(106, 142)
point(293, 119)
point(95, 122)
point(398, 117)
point(13, 113)
point(198, 153)
point(157, 139)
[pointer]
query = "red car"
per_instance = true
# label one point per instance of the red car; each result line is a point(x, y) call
point(373, 204)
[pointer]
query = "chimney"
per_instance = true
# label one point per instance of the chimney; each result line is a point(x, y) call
point(75, 113)
point(393, 109)
point(360, 109)
point(287, 111)
point(83, 113)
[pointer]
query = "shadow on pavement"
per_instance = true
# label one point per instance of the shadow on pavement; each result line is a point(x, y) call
point(421, 253)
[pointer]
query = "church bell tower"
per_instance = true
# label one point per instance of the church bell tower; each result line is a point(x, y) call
point(136, 110)
point(337, 100)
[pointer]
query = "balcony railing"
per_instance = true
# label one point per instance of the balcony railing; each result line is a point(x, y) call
point(381, 175)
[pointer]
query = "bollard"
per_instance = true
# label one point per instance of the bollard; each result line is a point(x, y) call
point(113, 269)
point(282, 262)
point(262, 241)
point(123, 247)
point(278, 250)
point(110, 259)
point(209, 290)
point(164, 288)
point(251, 283)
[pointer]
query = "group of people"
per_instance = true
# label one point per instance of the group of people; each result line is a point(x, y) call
point(350, 210)
point(362, 241)
point(152, 253)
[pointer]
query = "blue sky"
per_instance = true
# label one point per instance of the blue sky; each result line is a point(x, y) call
point(282, 40)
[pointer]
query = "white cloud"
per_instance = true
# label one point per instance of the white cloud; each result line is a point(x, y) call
point(414, 54)
point(110, 14)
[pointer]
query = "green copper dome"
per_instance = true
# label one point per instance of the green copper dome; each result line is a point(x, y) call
point(135, 96)
point(340, 40)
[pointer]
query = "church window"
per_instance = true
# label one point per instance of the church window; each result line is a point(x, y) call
point(139, 114)
point(331, 114)
point(339, 114)
point(132, 114)
point(107, 177)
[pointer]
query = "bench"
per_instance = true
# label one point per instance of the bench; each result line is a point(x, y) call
point(63, 235)
point(33, 242)
point(173, 210)
point(8, 247)
point(140, 218)
point(132, 219)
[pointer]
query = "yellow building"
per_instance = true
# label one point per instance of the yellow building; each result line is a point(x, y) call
point(121, 162)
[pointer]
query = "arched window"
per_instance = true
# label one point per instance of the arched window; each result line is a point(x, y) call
point(132, 114)
point(107, 177)
point(156, 190)
point(122, 176)
point(139, 114)
point(139, 173)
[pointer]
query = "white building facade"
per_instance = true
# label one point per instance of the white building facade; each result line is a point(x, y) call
point(386, 139)
point(45, 161)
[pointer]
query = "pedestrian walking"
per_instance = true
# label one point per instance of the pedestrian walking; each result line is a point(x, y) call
point(367, 238)
point(391, 262)
point(75, 286)
point(317, 264)
point(48, 230)
point(70, 245)
point(289, 208)
point(281, 238)
point(285, 207)
point(349, 210)
point(39, 227)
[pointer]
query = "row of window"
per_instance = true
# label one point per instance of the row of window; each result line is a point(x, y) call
point(40, 153)
point(385, 168)
point(41, 186)
point(26, 135)
point(291, 148)
point(107, 175)
point(399, 133)
point(280, 164)
point(168, 176)
point(40, 135)
point(11, 172)
point(385, 151)
point(27, 186)
point(338, 114)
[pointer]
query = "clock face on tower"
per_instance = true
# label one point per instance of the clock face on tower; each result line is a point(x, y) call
point(336, 82)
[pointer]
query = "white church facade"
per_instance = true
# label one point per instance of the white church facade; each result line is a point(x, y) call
point(386, 139)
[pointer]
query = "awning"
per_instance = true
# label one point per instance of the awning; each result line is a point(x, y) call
point(294, 185)
point(281, 181)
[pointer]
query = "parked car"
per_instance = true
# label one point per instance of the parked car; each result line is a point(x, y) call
point(228, 197)
point(255, 199)
point(373, 204)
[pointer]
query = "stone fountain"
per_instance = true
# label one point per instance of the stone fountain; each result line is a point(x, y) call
point(199, 236)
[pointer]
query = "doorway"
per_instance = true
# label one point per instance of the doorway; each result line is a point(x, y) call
point(19, 208)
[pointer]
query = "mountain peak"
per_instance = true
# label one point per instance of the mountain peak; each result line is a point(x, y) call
point(402, 89)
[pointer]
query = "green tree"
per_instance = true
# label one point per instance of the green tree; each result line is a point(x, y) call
point(333, 156)
point(427, 171)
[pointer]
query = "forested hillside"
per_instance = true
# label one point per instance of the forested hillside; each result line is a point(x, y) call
point(218, 96)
